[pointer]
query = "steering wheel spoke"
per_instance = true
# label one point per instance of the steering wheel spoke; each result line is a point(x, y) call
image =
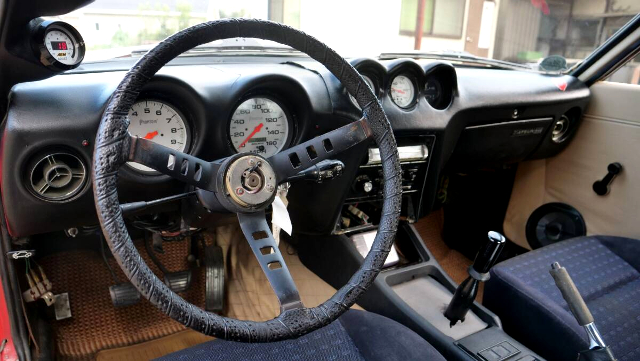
point(291, 161)
point(264, 247)
point(178, 165)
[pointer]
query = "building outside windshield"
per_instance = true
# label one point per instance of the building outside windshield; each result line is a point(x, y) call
point(518, 31)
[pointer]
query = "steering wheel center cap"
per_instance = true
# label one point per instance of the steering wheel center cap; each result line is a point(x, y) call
point(250, 181)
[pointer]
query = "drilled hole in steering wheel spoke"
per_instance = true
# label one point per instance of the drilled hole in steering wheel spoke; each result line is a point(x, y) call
point(171, 162)
point(197, 175)
point(311, 151)
point(295, 160)
point(328, 147)
point(267, 250)
point(184, 168)
point(258, 235)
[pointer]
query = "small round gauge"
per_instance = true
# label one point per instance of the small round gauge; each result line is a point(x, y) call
point(158, 122)
point(59, 45)
point(371, 85)
point(433, 91)
point(402, 91)
point(259, 125)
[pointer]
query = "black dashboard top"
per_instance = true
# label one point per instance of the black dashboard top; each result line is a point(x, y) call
point(61, 115)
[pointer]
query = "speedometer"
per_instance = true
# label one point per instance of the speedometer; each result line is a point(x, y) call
point(159, 122)
point(402, 91)
point(259, 125)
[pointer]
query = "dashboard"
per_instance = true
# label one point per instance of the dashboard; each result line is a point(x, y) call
point(212, 107)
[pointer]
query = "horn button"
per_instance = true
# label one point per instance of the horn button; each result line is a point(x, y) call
point(250, 181)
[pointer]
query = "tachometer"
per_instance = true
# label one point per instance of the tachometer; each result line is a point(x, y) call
point(159, 122)
point(259, 125)
point(402, 91)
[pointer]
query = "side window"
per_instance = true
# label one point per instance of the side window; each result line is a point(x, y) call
point(440, 18)
point(628, 73)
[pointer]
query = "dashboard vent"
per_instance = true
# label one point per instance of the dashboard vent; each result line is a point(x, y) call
point(56, 176)
point(561, 129)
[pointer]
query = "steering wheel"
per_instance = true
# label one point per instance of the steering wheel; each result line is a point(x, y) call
point(245, 184)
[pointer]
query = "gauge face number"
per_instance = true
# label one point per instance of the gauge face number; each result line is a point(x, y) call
point(259, 125)
point(159, 122)
point(370, 84)
point(402, 91)
point(61, 46)
point(432, 91)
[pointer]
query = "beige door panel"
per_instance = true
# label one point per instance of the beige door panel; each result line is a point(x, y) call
point(610, 132)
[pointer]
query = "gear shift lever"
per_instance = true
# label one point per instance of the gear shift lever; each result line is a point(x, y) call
point(478, 272)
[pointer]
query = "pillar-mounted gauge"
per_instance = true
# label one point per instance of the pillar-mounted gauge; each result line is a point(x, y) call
point(58, 45)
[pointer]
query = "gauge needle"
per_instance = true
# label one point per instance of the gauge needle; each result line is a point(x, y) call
point(150, 135)
point(255, 131)
point(397, 90)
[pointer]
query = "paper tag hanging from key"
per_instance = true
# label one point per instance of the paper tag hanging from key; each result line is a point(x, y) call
point(280, 217)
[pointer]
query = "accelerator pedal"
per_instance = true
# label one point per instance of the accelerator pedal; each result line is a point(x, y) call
point(178, 281)
point(214, 282)
point(124, 294)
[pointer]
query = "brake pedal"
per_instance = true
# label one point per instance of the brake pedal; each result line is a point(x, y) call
point(214, 282)
point(178, 281)
point(124, 294)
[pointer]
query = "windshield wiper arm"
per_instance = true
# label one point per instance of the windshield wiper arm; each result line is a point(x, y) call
point(230, 50)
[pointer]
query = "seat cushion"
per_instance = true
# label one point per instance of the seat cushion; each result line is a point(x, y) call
point(605, 270)
point(357, 335)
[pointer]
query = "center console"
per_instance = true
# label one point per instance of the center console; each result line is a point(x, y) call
point(415, 291)
point(361, 206)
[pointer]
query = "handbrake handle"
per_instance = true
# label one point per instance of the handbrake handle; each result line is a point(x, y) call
point(571, 294)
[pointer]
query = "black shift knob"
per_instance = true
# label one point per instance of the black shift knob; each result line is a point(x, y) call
point(466, 292)
point(488, 254)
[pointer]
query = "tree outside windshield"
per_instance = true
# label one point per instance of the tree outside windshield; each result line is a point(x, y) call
point(520, 31)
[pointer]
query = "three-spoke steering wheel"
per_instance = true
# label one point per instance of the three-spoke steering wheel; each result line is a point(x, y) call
point(245, 184)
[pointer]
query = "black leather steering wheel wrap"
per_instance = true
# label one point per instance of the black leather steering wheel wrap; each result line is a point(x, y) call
point(114, 147)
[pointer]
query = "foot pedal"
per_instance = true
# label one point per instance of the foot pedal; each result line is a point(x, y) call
point(124, 294)
point(214, 284)
point(178, 281)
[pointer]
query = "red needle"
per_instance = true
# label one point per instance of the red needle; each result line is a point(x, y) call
point(397, 90)
point(151, 135)
point(255, 131)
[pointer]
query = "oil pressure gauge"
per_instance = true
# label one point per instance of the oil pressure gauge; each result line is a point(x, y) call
point(58, 45)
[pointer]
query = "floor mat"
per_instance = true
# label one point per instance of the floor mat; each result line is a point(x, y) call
point(96, 325)
point(452, 261)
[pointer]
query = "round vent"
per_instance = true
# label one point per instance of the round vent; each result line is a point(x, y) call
point(57, 176)
point(560, 129)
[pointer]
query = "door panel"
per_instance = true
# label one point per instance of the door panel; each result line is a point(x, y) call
point(609, 132)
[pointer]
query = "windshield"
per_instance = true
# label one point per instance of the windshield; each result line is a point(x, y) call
point(515, 31)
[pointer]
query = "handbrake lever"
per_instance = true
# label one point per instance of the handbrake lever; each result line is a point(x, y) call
point(598, 350)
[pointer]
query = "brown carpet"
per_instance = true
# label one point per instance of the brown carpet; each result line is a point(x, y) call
point(96, 325)
point(453, 262)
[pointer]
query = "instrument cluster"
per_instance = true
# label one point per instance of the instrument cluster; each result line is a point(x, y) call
point(258, 124)
point(257, 119)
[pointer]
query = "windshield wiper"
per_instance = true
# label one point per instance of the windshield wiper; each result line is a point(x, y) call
point(233, 46)
point(242, 49)
point(462, 57)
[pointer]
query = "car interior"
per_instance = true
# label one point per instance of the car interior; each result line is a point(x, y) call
point(230, 187)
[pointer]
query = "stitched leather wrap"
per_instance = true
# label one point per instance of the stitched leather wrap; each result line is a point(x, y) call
point(110, 153)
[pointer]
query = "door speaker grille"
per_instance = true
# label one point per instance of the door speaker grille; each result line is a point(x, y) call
point(57, 176)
